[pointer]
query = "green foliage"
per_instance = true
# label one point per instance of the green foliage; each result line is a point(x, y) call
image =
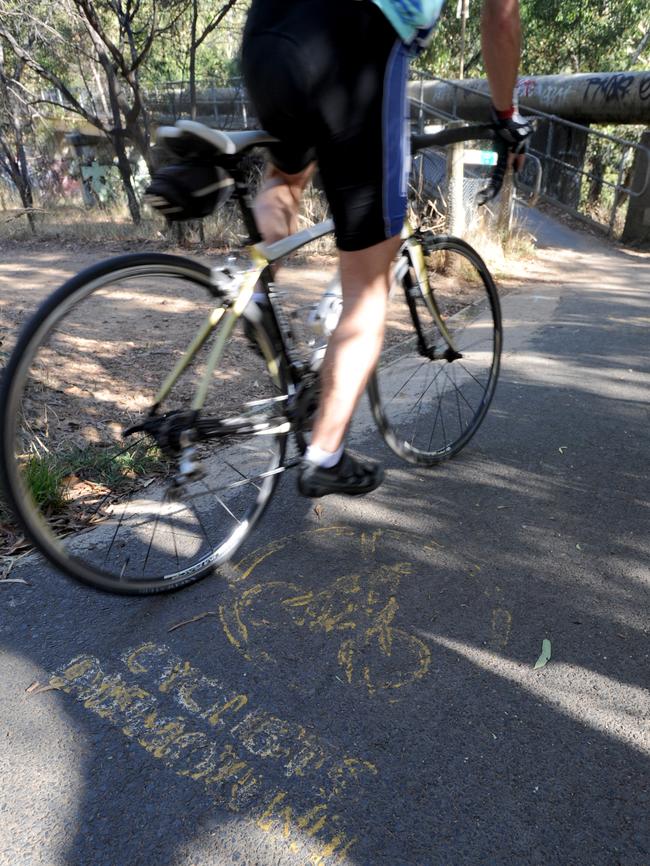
point(217, 55)
point(48, 476)
point(564, 36)
point(43, 476)
point(559, 37)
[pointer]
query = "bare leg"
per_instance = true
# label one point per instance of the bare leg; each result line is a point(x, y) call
point(355, 345)
point(276, 205)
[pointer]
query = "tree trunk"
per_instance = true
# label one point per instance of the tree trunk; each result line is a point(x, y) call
point(126, 175)
point(16, 166)
point(193, 49)
point(595, 183)
point(117, 139)
point(25, 188)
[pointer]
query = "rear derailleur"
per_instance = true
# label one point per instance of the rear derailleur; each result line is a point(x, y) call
point(176, 434)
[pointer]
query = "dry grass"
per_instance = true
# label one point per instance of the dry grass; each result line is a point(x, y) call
point(72, 223)
point(505, 254)
point(223, 230)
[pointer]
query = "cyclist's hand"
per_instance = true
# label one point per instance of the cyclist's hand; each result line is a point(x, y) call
point(514, 131)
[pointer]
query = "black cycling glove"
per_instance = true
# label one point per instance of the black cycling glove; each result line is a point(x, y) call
point(513, 129)
point(512, 134)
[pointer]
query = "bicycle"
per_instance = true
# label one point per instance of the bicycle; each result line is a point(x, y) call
point(138, 487)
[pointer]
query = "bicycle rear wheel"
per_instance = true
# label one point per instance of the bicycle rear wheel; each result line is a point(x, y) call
point(431, 391)
point(106, 507)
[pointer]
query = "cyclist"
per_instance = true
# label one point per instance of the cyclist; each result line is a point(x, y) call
point(328, 79)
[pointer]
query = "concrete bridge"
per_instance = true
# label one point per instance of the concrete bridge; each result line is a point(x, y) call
point(589, 97)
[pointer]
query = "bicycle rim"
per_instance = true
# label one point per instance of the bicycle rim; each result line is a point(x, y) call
point(106, 508)
point(427, 409)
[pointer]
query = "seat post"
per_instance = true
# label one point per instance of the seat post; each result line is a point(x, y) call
point(243, 193)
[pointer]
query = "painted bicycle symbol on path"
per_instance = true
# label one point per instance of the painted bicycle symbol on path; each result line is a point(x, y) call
point(351, 619)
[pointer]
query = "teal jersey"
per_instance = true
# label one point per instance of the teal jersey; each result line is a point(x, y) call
point(412, 19)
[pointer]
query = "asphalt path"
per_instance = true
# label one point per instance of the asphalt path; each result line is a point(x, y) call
point(359, 689)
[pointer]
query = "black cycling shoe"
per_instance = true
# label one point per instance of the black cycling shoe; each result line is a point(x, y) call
point(350, 476)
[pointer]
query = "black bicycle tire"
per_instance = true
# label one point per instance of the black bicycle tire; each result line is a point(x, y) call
point(35, 329)
point(401, 448)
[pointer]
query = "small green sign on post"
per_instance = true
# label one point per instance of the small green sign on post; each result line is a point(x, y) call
point(480, 157)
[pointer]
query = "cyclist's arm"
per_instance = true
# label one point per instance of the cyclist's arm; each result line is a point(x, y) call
point(501, 47)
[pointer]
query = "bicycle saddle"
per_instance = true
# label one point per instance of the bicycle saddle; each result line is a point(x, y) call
point(230, 143)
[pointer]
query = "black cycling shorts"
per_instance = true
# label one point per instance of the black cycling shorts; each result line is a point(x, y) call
point(328, 79)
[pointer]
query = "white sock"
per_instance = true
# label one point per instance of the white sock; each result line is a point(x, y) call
point(319, 457)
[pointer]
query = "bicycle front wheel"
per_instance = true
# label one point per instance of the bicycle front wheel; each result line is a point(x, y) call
point(103, 504)
point(431, 390)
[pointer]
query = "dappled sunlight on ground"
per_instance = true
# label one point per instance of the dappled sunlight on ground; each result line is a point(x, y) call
point(599, 378)
point(599, 702)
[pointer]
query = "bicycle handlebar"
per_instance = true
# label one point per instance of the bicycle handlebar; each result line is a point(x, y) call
point(452, 135)
point(485, 131)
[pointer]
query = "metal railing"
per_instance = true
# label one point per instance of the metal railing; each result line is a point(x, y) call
point(224, 105)
point(558, 173)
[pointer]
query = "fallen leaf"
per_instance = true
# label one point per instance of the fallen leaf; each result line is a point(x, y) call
point(545, 655)
point(578, 546)
point(36, 688)
point(318, 511)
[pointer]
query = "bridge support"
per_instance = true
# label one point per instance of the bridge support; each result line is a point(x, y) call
point(564, 148)
point(637, 223)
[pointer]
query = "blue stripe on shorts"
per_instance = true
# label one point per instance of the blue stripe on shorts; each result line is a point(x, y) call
point(395, 131)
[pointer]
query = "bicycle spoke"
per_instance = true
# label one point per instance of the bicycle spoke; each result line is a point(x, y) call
point(417, 416)
point(469, 373)
point(435, 421)
point(117, 529)
point(226, 509)
point(426, 390)
point(459, 391)
point(200, 519)
point(460, 417)
point(241, 474)
point(153, 534)
point(175, 545)
point(412, 376)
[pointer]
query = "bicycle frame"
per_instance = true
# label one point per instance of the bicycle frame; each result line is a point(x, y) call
point(415, 254)
point(261, 255)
